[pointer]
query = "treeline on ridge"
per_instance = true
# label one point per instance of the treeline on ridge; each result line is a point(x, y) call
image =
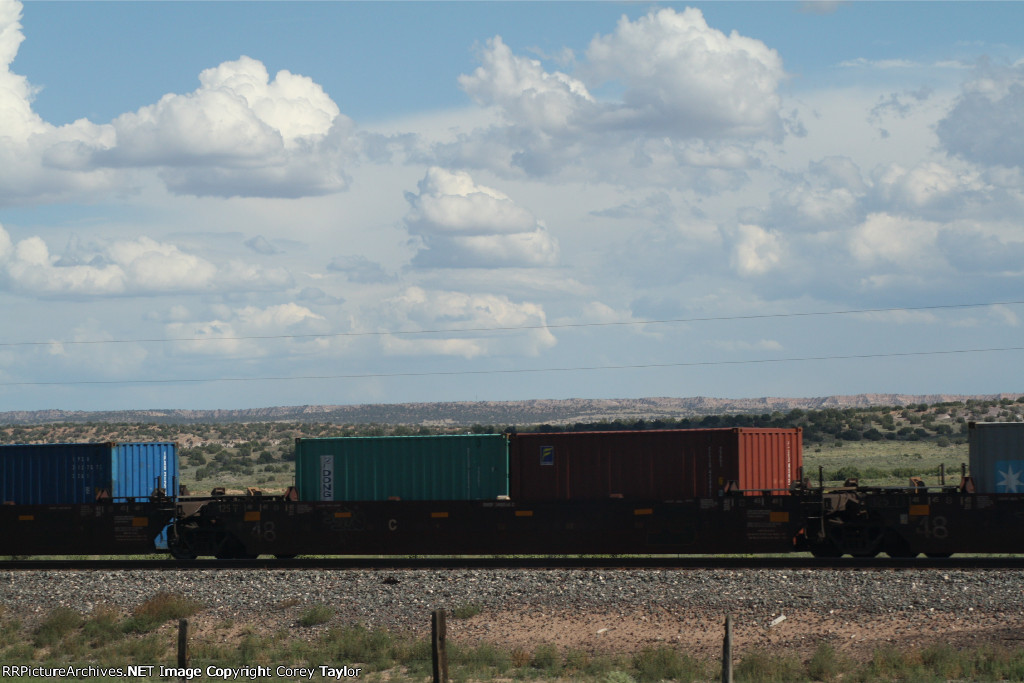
point(272, 441)
point(943, 422)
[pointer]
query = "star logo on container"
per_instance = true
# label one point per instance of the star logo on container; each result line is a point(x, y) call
point(1010, 479)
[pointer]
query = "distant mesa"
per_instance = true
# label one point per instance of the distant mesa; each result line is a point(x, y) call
point(550, 411)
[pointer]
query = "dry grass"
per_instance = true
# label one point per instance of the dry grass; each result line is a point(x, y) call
point(881, 458)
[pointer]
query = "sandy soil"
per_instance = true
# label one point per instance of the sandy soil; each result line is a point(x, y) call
point(798, 633)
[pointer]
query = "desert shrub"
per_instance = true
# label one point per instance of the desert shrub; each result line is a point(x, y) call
point(664, 663)
point(316, 615)
point(466, 610)
point(826, 664)
point(158, 610)
point(360, 644)
point(479, 661)
point(520, 658)
point(102, 627)
point(57, 625)
point(759, 666)
point(546, 658)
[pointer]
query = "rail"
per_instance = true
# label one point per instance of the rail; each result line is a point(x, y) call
point(435, 563)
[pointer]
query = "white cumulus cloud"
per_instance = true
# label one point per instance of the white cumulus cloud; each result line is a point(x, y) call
point(685, 87)
point(37, 159)
point(829, 195)
point(527, 93)
point(684, 78)
point(463, 224)
point(240, 133)
point(16, 115)
point(904, 242)
point(987, 123)
point(237, 116)
point(928, 185)
point(757, 251)
point(142, 266)
point(418, 308)
point(225, 334)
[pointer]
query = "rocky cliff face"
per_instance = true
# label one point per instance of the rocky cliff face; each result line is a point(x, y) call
point(491, 412)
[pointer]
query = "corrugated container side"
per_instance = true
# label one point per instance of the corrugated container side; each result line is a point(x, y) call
point(447, 467)
point(59, 474)
point(997, 456)
point(655, 464)
point(53, 474)
point(139, 468)
point(770, 459)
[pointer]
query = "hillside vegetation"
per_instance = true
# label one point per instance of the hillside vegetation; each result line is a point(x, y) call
point(878, 444)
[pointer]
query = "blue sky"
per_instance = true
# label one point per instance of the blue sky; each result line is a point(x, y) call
point(227, 204)
point(404, 63)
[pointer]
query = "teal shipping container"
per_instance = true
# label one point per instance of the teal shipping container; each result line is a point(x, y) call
point(459, 467)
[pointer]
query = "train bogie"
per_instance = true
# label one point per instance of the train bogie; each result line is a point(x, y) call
point(864, 523)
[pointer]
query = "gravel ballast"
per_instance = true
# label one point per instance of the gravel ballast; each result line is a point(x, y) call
point(587, 609)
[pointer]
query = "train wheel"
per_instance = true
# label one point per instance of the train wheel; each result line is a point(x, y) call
point(826, 550)
point(232, 549)
point(180, 553)
point(898, 547)
point(938, 556)
point(178, 549)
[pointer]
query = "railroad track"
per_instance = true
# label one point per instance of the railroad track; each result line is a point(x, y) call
point(435, 563)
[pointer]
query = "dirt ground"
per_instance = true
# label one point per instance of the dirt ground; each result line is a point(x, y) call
point(797, 633)
point(701, 637)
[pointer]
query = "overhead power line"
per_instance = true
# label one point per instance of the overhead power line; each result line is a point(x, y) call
point(441, 373)
point(516, 328)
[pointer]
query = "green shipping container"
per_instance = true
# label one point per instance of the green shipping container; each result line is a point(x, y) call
point(462, 467)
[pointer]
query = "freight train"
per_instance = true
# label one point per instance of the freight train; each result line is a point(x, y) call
point(658, 492)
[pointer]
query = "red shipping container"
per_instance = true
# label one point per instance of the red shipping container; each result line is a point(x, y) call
point(674, 464)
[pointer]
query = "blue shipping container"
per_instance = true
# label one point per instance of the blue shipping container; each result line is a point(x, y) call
point(60, 474)
point(139, 468)
point(997, 456)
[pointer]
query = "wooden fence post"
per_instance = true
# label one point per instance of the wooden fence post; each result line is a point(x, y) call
point(439, 648)
point(727, 651)
point(182, 644)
